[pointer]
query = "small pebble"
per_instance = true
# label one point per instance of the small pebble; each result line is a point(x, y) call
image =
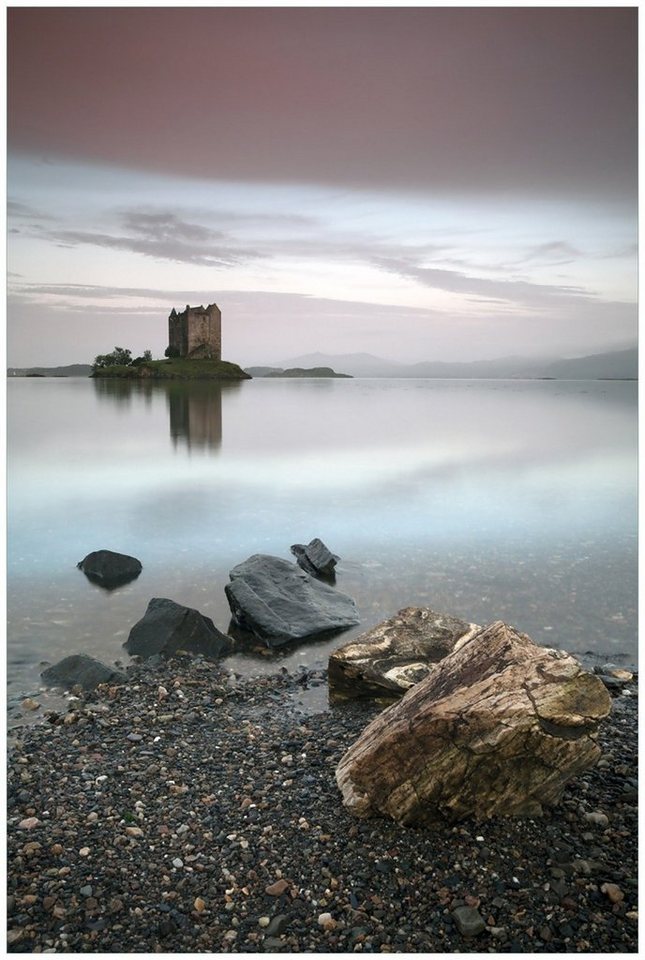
point(598, 818)
point(277, 889)
point(613, 891)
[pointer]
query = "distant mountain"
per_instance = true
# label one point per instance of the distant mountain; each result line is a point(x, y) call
point(620, 365)
point(615, 365)
point(72, 370)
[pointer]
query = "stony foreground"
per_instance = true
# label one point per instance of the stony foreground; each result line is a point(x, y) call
point(187, 812)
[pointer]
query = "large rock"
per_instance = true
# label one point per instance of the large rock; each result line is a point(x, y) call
point(109, 569)
point(315, 558)
point(82, 670)
point(279, 602)
point(390, 658)
point(498, 729)
point(167, 627)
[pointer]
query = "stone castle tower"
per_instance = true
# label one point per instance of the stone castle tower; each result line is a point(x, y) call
point(196, 332)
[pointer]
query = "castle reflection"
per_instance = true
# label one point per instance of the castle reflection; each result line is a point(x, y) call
point(196, 414)
point(194, 408)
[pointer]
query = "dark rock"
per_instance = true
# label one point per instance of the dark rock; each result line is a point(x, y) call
point(167, 927)
point(395, 654)
point(315, 558)
point(279, 602)
point(497, 730)
point(83, 670)
point(167, 627)
point(110, 570)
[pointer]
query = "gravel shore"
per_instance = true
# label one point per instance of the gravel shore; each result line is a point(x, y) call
point(189, 811)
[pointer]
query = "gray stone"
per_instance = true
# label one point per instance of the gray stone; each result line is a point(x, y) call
point(315, 558)
point(277, 925)
point(82, 670)
point(468, 921)
point(167, 627)
point(391, 657)
point(108, 569)
point(279, 602)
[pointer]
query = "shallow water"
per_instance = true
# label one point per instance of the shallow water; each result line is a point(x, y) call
point(485, 499)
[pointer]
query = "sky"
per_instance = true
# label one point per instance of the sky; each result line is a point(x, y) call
point(418, 183)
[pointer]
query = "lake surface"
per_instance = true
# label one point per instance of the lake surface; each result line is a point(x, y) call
point(485, 499)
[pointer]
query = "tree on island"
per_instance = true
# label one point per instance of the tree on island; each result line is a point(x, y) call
point(120, 357)
point(171, 352)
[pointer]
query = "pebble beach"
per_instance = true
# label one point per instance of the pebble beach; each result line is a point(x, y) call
point(191, 811)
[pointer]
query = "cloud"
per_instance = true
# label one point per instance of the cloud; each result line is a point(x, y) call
point(23, 211)
point(521, 292)
point(537, 100)
point(556, 251)
point(161, 235)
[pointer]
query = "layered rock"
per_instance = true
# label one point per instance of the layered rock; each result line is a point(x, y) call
point(279, 602)
point(497, 730)
point(82, 670)
point(167, 627)
point(315, 558)
point(390, 658)
point(109, 569)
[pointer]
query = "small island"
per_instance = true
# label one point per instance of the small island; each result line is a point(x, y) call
point(312, 372)
point(173, 369)
point(194, 352)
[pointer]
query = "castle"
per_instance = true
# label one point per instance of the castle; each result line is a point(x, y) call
point(196, 332)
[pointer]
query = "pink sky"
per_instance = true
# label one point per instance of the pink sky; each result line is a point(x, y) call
point(425, 160)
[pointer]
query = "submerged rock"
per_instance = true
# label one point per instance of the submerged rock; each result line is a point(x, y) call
point(395, 654)
point(497, 730)
point(167, 627)
point(315, 558)
point(279, 602)
point(109, 569)
point(83, 670)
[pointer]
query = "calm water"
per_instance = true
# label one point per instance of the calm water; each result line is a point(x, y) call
point(486, 499)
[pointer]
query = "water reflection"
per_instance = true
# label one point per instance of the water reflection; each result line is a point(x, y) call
point(196, 415)
point(194, 408)
point(512, 500)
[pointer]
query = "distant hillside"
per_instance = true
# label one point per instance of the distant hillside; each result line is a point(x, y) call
point(72, 370)
point(616, 365)
point(356, 364)
point(621, 365)
point(311, 372)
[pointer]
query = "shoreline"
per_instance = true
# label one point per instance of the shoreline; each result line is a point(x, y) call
point(191, 811)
